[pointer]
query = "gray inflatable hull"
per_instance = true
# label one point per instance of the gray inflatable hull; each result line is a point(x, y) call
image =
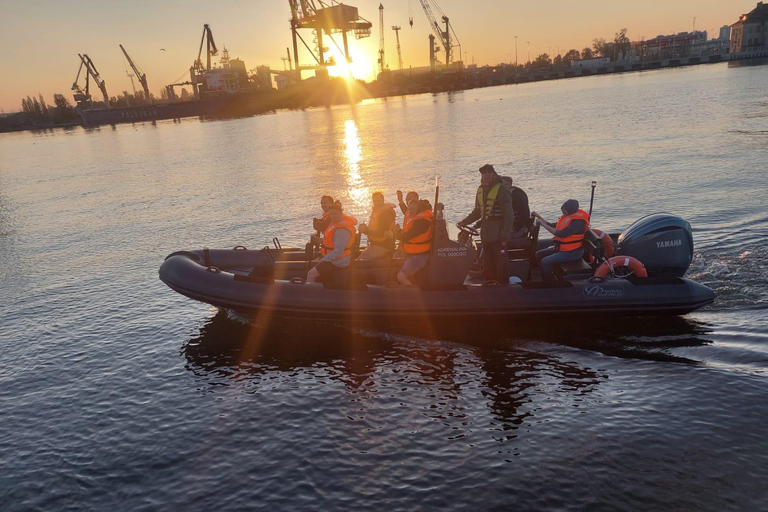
point(192, 274)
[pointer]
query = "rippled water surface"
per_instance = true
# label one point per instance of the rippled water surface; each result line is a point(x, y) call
point(116, 393)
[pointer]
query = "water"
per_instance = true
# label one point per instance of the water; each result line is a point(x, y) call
point(117, 393)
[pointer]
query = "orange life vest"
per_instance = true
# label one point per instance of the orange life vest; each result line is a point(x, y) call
point(572, 242)
point(373, 223)
point(347, 223)
point(423, 242)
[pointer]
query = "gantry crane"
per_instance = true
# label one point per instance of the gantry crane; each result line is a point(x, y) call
point(396, 28)
point(83, 97)
point(382, 60)
point(141, 76)
point(321, 18)
point(448, 38)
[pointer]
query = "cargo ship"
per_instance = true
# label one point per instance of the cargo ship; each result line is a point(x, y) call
point(225, 90)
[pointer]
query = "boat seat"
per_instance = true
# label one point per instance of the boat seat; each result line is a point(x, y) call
point(581, 268)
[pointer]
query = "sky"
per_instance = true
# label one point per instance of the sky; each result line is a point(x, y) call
point(40, 39)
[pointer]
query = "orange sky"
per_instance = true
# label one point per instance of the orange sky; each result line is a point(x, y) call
point(41, 39)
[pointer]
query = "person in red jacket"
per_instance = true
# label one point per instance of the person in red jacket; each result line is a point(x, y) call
point(569, 235)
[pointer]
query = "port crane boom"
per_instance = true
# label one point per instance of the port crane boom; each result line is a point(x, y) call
point(211, 50)
point(141, 76)
point(324, 19)
point(448, 38)
point(84, 96)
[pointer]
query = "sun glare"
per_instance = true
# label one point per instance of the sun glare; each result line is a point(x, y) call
point(358, 69)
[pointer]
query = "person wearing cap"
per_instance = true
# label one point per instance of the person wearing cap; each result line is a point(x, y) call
point(569, 236)
point(520, 207)
point(493, 206)
point(336, 246)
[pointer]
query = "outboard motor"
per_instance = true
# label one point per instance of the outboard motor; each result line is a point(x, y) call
point(662, 242)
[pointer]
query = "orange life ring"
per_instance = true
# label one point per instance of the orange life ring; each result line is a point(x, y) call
point(622, 261)
point(608, 249)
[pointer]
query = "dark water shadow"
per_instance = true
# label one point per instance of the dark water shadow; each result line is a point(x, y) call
point(648, 338)
point(226, 351)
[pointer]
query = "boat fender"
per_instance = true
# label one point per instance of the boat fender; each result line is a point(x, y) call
point(213, 269)
point(621, 261)
point(240, 248)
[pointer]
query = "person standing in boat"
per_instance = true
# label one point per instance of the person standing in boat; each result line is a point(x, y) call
point(493, 206)
point(410, 196)
point(379, 230)
point(569, 236)
point(335, 246)
point(416, 239)
point(520, 208)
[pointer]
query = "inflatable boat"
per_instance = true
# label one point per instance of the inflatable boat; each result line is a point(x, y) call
point(644, 277)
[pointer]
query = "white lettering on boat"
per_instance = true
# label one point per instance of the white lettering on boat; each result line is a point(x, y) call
point(669, 243)
point(603, 291)
point(451, 252)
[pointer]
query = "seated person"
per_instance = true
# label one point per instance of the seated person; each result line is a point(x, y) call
point(336, 246)
point(415, 239)
point(379, 230)
point(410, 196)
point(320, 224)
point(520, 207)
point(569, 235)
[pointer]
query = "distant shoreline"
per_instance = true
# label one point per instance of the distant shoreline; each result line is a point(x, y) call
point(479, 78)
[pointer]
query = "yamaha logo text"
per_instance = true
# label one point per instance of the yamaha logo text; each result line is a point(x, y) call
point(669, 243)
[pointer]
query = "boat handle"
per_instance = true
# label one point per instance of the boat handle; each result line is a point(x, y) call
point(240, 248)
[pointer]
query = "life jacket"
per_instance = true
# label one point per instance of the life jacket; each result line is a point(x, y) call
point(489, 208)
point(347, 223)
point(423, 242)
point(373, 223)
point(572, 242)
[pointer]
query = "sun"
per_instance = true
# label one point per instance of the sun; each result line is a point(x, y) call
point(360, 67)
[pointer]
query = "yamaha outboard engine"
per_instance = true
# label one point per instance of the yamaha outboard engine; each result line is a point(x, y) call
point(662, 242)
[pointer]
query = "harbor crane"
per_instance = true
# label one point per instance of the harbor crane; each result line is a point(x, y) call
point(141, 76)
point(211, 50)
point(83, 96)
point(382, 61)
point(396, 28)
point(324, 18)
point(447, 38)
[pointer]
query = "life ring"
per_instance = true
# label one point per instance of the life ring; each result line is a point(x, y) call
point(621, 261)
point(608, 248)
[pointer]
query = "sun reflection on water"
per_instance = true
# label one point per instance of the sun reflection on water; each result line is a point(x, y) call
point(357, 191)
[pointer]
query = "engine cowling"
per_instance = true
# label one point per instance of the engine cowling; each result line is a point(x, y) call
point(662, 242)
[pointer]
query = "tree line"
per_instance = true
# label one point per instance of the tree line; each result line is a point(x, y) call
point(613, 50)
point(37, 113)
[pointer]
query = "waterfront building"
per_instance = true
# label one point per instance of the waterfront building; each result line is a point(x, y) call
point(673, 46)
point(725, 33)
point(750, 31)
point(591, 63)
